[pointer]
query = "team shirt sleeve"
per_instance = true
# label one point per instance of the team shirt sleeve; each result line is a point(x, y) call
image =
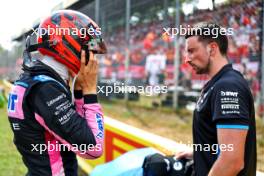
point(230, 106)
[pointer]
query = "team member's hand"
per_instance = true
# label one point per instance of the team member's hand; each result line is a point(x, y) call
point(184, 154)
point(87, 76)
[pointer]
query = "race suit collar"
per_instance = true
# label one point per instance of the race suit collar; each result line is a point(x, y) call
point(39, 68)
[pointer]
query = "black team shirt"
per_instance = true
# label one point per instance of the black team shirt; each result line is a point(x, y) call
point(225, 102)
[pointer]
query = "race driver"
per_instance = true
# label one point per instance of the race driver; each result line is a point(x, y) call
point(50, 125)
point(224, 114)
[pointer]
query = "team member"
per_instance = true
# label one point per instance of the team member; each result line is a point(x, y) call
point(50, 126)
point(224, 114)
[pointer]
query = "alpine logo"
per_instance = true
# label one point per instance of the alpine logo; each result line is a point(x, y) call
point(12, 101)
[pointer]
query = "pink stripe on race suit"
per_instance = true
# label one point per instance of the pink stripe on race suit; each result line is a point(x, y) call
point(79, 106)
point(54, 156)
point(91, 116)
point(17, 112)
point(94, 118)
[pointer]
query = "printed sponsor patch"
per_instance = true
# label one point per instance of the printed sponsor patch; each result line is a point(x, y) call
point(230, 106)
point(12, 101)
point(15, 101)
point(65, 118)
point(229, 102)
point(51, 102)
point(99, 121)
point(229, 93)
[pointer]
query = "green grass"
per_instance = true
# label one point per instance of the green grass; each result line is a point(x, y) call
point(11, 163)
point(175, 125)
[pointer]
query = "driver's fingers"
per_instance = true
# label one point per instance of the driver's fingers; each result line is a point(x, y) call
point(94, 65)
point(91, 64)
point(82, 60)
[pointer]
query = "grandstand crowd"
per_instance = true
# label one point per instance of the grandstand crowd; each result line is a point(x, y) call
point(146, 39)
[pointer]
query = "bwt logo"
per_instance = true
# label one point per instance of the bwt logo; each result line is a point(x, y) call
point(12, 100)
point(229, 93)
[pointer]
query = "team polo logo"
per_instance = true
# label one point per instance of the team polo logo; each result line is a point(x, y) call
point(202, 98)
point(12, 101)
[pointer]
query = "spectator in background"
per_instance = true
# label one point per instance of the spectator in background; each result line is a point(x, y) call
point(155, 68)
point(244, 46)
